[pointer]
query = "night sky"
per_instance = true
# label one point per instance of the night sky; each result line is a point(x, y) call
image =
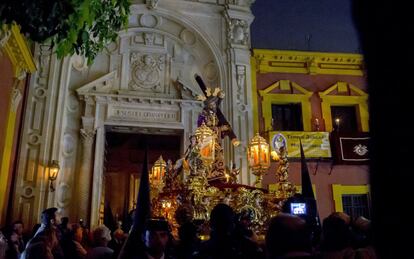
point(288, 24)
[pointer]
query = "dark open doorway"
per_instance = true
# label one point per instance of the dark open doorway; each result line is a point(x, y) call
point(124, 161)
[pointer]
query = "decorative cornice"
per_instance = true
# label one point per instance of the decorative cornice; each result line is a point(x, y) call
point(19, 53)
point(124, 98)
point(303, 62)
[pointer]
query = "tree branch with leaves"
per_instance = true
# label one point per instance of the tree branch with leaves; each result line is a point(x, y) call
point(84, 27)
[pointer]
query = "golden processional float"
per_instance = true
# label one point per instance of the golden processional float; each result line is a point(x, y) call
point(193, 185)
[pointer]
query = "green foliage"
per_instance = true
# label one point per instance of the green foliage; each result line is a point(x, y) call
point(83, 27)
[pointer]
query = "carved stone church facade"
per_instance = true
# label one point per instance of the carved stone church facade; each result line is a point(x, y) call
point(144, 83)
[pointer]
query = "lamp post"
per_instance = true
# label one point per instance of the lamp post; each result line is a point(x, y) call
point(158, 173)
point(258, 157)
point(53, 173)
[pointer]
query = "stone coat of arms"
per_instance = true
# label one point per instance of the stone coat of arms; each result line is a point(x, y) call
point(146, 72)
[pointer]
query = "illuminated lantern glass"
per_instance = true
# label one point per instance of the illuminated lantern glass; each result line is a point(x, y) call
point(258, 154)
point(158, 171)
point(53, 173)
point(54, 170)
point(206, 142)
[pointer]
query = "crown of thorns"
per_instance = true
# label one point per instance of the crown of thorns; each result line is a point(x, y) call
point(210, 92)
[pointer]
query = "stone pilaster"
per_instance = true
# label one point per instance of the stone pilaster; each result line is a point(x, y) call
point(238, 18)
point(85, 173)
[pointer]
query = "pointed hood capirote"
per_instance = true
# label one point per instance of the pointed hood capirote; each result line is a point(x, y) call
point(307, 191)
point(134, 243)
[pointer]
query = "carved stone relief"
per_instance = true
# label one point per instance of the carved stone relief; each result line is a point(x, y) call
point(27, 192)
point(149, 39)
point(152, 4)
point(72, 105)
point(188, 37)
point(68, 145)
point(241, 89)
point(16, 97)
point(210, 72)
point(150, 20)
point(63, 195)
point(238, 31)
point(241, 77)
point(80, 63)
point(147, 72)
point(88, 135)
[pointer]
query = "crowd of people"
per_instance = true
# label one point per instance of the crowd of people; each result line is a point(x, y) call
point(231, 236)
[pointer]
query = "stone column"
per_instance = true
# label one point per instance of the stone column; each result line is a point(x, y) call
point(85, 172)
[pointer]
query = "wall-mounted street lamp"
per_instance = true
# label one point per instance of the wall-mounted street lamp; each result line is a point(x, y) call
point(53, 173)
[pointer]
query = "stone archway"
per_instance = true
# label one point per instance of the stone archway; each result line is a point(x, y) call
point(152, 65)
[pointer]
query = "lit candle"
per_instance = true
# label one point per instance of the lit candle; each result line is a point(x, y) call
point(256, 155)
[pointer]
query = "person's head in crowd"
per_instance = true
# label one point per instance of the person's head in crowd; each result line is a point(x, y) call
point(119, 234)
point(81, 223)
point(336, 232)
point(288, 234)
point(18, 227)
point(222, 219)
point(156, 236)
point(362, 224)
point(43, 247)
point(342, 215)
point(51, 217)
point(362, 235)
point(77, 232)
point(101, 236)
point(184, 214)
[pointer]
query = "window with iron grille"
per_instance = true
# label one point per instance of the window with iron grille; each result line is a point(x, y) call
point(356, 205)
point(287, 117)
